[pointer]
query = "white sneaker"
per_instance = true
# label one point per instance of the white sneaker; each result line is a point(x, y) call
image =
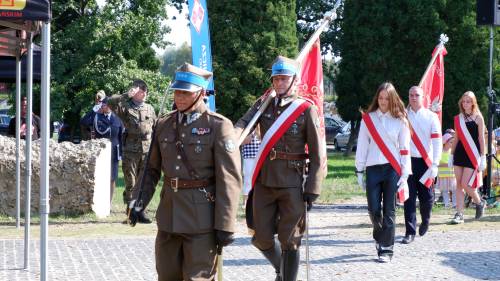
point(384, 258)
point(458, 218)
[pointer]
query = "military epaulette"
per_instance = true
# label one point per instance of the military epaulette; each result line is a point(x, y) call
point(166, 115)
point(218, 115)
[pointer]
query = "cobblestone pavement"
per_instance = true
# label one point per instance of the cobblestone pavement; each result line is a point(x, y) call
point(341, 248)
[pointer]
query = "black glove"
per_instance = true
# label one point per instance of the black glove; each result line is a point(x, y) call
point(309, 198)
point(133, 213)
point(222, 239)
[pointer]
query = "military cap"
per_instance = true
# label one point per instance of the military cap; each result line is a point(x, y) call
point(191, 78)
point(284, 66)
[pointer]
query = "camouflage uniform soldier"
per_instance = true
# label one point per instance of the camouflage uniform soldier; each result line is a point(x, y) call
point(138, 118)
point(278, 199)
point(195, 149)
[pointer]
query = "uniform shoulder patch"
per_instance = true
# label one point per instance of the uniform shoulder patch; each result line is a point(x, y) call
point(229, 145)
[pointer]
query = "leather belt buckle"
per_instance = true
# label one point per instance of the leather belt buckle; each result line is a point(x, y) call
point(272, 154)
point(174, 183)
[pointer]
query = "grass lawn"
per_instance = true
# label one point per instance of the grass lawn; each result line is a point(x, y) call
point(340, 186)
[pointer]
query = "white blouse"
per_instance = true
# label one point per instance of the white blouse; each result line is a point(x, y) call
point(398, 134)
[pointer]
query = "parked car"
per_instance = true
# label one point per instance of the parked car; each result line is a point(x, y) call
point(342, 138)
point(4, 124)
point(332, 128)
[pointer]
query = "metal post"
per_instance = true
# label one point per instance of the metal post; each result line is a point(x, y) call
point(44, 148)
point(308, 265)
point(491, 115)
point(27, 162)
point(18, 139)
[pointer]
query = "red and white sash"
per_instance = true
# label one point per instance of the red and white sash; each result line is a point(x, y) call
point(426, 178)
point(276, 131)
point(378, 135)
point(470, 148)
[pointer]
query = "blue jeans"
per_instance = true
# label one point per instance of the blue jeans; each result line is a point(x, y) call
point(381, 188)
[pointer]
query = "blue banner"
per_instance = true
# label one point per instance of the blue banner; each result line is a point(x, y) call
point(200, 42)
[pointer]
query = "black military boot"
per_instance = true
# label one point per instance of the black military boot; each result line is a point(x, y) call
point(273, 255)
point(290, 260)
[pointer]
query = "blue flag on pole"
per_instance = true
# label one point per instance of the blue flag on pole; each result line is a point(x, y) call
point(200, 42)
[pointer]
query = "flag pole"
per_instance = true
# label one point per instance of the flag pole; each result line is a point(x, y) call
point(329, 16)
point(443, 39)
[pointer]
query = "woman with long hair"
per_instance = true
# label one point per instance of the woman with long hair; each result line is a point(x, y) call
point(383, 151)
point(468, 154)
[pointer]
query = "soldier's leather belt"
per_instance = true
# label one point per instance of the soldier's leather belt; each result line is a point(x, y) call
point(273, 154)
point(176, 183)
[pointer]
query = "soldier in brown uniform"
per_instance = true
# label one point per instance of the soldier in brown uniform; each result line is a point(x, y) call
point(279, 198)
point(195, 149)
point(138, 118)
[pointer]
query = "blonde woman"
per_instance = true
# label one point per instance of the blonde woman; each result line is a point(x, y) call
point(383, 152)
point(468, 154)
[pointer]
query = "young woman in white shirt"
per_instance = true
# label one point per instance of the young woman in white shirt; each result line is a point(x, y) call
point(387, 166)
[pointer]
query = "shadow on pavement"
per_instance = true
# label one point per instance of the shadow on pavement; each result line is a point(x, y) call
point(354, 258)
point(477, 265)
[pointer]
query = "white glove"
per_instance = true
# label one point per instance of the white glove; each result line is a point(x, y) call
point(402, 180)
point(132, 91)
point(361, 182)
point(97, 107)
point(402, 184)
point(482, 164)
point(434, 171)
point(450, 161)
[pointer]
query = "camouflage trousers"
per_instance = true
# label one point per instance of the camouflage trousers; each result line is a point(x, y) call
point(132, 167)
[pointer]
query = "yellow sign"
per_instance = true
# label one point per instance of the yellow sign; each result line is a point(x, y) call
point(12, 4)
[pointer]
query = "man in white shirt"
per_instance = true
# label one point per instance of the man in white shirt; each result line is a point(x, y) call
point(425, 151)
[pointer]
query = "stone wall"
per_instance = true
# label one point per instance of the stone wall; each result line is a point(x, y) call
point(79, 177)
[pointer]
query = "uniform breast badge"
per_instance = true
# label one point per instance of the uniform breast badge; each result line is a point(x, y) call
point(200, 131)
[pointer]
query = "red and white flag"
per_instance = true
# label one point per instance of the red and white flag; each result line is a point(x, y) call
point(311, 87)
point(433, 83)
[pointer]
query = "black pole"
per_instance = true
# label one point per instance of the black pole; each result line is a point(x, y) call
point(491, 114)
point(489, 155)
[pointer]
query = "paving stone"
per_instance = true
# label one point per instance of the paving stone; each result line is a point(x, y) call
point(341, 248)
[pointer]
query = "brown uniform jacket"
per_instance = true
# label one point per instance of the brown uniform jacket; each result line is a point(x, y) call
point(138, 122)
point(282, 173)
point(209, 144)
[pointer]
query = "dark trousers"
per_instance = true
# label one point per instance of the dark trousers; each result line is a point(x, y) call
point(286, 204)
point(425, 197)
point(189, 257)
point(381, 188)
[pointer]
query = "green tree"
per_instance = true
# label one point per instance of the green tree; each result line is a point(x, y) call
point(386, 41)
point(104, 48)
point(246, 37)
point(309, 13)
point(173, 57)
point(466, 65)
